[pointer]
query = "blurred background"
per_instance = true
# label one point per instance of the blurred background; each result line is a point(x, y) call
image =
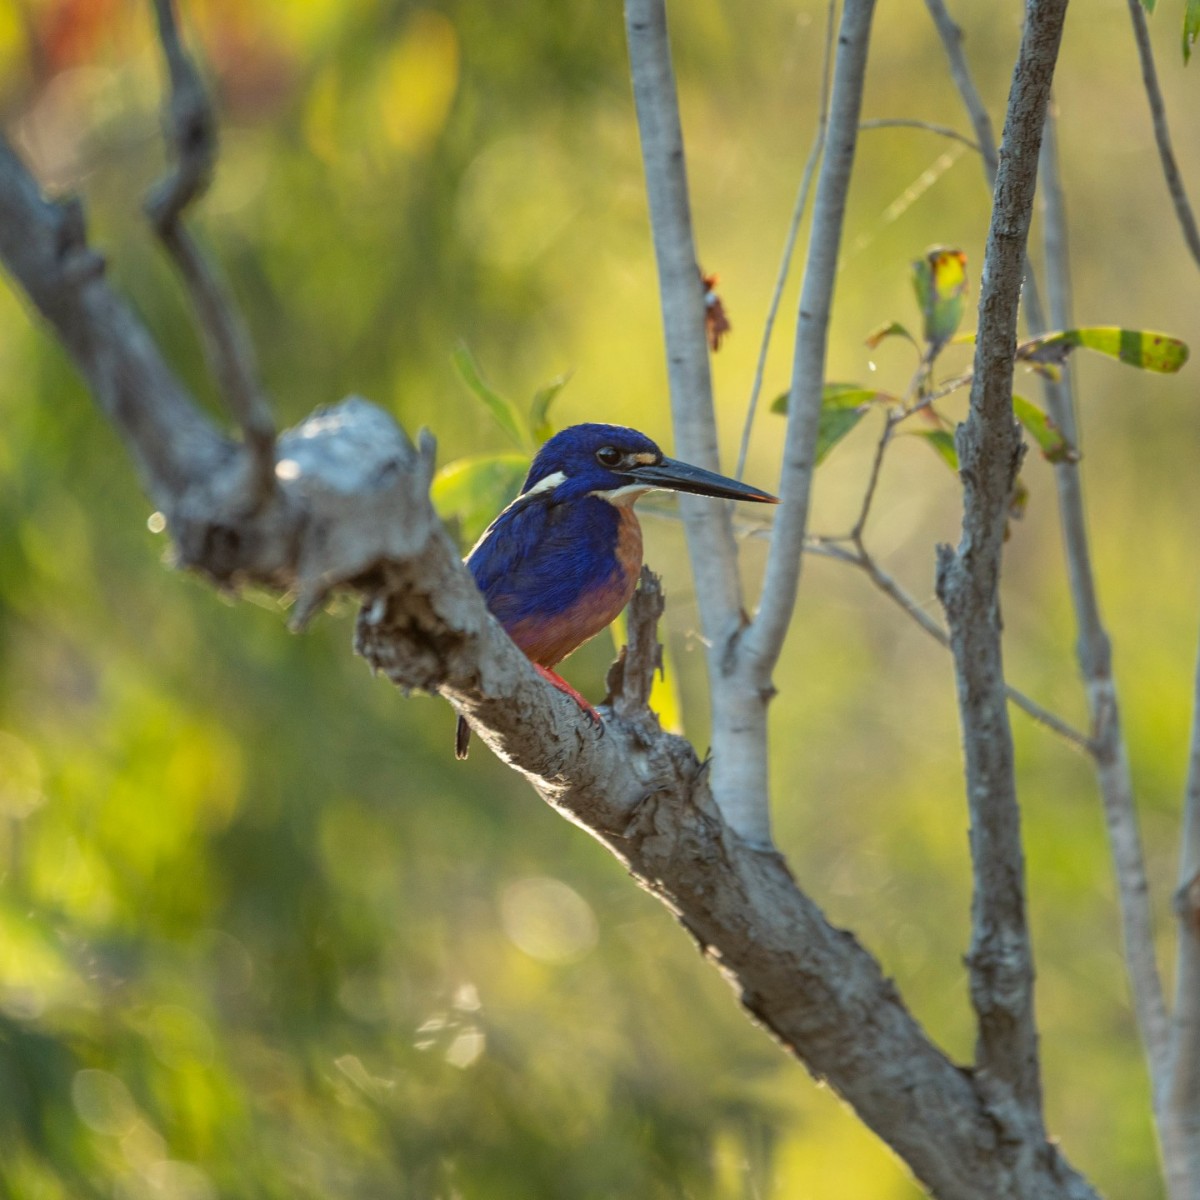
point(260, 934)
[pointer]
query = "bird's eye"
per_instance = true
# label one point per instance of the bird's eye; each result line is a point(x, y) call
point(608, 456)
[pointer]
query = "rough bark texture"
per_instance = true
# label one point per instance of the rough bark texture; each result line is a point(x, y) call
point(989, 453)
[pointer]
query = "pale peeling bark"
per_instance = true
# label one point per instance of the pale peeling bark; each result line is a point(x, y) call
point(350, 509)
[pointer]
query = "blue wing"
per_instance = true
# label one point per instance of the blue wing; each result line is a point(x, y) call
point(541, 559)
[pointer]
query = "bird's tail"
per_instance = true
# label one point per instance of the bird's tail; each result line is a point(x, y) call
point(462, 738)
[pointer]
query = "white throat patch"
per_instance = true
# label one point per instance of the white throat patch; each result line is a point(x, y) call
point(623, 497)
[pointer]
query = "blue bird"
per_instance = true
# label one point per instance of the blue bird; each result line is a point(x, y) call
point(562, 560)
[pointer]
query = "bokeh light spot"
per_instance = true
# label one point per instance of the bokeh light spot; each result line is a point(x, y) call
point(548, 920)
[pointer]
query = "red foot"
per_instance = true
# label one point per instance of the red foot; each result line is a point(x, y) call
point(562, 685)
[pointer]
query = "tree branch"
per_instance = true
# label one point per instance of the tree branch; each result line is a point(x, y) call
point(1094, 653)
point(789, 245)
point(1178, 1101)
point(989, 451)
point(739, 768)
point(1162, 133)
point(763, 641)
point(351, 509)
point(192, 132)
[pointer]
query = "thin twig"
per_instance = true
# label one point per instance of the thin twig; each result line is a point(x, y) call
point(1094, 652)
point(928, 126)
point(909, 604)
point(810, 166)
point(960, 72)
point(763, 641)
point(193, 137)
point(1162, 134)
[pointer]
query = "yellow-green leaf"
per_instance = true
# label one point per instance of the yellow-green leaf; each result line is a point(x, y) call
point(1138, 347)
point(940, 282)
point(1053, 445)
point(941, 442)
point(539, 408)
point(507, 415)
point(471, 491)
point(664, 700)
point(843, 405)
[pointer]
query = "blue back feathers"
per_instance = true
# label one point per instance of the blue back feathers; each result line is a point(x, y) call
point(555, 545)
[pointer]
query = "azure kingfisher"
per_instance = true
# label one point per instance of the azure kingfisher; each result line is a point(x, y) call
point(562, 560)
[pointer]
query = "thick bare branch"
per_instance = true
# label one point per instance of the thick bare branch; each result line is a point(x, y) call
point(989, 452)
point(43, 243)
point(739, 773)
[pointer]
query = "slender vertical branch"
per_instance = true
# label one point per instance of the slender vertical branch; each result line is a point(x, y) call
point(1162, 133)
point(1094, 653)
point(960, 72)
point(989, 451)
point(1180, 1100)
point(810, 166)
point(193, 135)
point(709, 532)
point(764, 639)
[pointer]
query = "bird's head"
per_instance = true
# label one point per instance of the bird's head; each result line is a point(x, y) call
point(619, 465)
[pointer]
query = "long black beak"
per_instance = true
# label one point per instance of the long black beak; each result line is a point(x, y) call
point(676, 476)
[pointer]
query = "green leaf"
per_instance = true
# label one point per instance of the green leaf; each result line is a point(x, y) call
point(1053, 445)
point(539, 408)
point(891, 329)
point(843, 405)
point(1191, 27)
point(471, 491)
point(1137, 347)
point(501, 407)
point(1148, 5)
point(940, 282)
point(941, 442)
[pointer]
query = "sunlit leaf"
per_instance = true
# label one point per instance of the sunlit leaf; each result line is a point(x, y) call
point(1053, 445)
point(1191, 27)
point(1137, 347)
point(843, 405)
point(891, 329)
point(940, 283)
point(539, 408)
point(471, 491)
point(1018, 502)
point(941, 442)
point(665, 700)
point(501, 407)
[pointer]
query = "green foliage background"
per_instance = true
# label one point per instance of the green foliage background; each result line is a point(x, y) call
point(260, 935)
